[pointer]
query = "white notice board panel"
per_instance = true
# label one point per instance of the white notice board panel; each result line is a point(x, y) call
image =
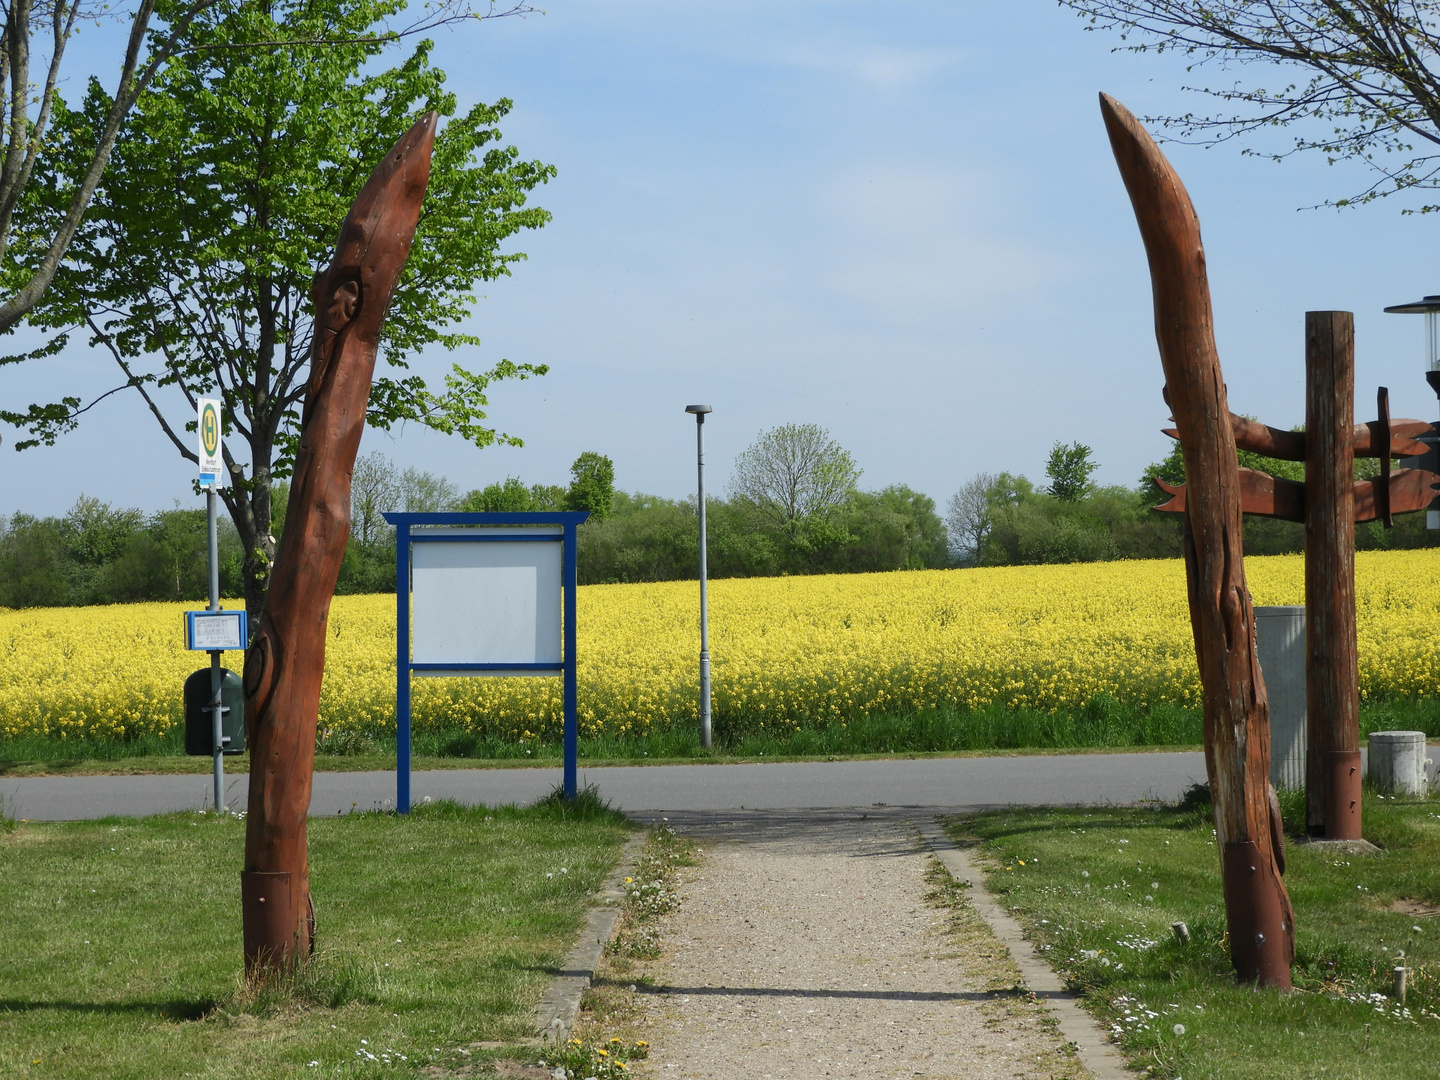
point(489, 602)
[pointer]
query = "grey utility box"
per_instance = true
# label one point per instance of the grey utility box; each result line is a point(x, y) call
point(1397, 762)
point(199, 727)
point(1280, 644)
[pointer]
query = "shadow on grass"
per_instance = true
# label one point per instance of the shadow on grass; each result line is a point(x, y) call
point(178, 1009)
point(857, 995)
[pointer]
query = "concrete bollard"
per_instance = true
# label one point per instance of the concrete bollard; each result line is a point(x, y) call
point(1280, 645)
point(1397, 762)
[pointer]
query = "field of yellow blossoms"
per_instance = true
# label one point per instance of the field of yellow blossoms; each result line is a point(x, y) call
point(787, 652)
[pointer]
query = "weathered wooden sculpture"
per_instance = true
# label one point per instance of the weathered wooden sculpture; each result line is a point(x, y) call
point(286, 660)
point(1237, 731)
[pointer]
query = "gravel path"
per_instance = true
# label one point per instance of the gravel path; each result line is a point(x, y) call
point(810, 945)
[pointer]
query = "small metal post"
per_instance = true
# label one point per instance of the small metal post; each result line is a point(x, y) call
point(402, 668)
point(217, 711)
point(700, 411)
point(570, 781)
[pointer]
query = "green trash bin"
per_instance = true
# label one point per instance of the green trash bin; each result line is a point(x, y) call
point(199, 727)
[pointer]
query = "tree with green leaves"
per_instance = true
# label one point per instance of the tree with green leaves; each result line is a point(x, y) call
point(374, 492)
point(1069, 469)
point(34, 38)
point(1369, 77)
point(592, 485)
point(513, 497)
point(192, 269)
point(795, 475)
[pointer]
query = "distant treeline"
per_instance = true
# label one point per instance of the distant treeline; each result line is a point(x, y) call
point(793, 507)
point(97, 554)
point(637, 537)
point(1005, 520)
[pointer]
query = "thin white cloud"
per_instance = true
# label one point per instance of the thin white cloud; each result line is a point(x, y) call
point(884, 67)
point(914, 244)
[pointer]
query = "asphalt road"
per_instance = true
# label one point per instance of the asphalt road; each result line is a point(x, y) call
point(932, 783)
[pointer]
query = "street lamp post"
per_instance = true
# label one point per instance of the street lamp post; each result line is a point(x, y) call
point(700, 411)
point(1430, 308)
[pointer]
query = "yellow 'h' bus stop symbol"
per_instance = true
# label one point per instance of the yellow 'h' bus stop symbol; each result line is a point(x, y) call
point(210, 429)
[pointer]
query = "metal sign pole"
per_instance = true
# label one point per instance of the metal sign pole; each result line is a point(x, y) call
point(217, 710)
point(700, 411)
point(572, 721)
point(402, 667)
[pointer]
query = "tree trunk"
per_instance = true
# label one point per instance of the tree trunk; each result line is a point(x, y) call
point(1237, 728)
point(285, 665)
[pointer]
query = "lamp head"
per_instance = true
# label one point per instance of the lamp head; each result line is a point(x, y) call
point(698, 409)
point(1430, 308)
point(1429, 305)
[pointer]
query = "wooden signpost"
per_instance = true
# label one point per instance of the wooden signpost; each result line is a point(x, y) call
point(286, 660)
point(1330, 503)
point(1216, 493)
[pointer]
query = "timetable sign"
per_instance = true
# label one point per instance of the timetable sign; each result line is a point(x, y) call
point(212, 631)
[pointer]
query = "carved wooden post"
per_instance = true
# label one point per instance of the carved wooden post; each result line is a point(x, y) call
point(1237, 730)
point(286, 661)
point(1332, 676)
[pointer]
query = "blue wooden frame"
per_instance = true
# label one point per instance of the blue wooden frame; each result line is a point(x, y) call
point(404, 537)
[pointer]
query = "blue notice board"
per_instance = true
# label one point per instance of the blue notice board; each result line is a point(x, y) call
point(484, 595)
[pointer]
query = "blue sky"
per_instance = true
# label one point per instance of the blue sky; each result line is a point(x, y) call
point(899, 221)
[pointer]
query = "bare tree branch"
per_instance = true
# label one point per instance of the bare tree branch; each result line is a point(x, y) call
point(145, 55)
point(1372, 93)
point(139, 384)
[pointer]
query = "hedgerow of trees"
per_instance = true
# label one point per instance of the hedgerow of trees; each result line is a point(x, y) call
point(1004, 519)
point(255, 152)
point(97, 554)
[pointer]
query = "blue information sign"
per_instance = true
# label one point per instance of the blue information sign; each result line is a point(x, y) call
point(212, 631)
point(492, 594)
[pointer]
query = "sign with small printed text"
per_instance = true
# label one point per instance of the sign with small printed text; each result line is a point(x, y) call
point(213, 631)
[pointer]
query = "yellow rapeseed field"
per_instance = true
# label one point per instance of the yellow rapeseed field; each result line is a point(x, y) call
point(788, 652)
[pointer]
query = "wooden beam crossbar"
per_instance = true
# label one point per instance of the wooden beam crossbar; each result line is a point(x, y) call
point(1410, 490)
point(1290, 445)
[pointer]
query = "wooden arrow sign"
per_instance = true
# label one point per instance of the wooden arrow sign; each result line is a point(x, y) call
point(1269, 496)
point(1290, 445)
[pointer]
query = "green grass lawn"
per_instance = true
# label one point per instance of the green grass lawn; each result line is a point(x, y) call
point(120, 953)
point(1097, 890)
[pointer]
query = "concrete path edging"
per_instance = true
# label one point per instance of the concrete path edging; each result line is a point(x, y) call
point(556, 1014)
point(1078, 1027)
